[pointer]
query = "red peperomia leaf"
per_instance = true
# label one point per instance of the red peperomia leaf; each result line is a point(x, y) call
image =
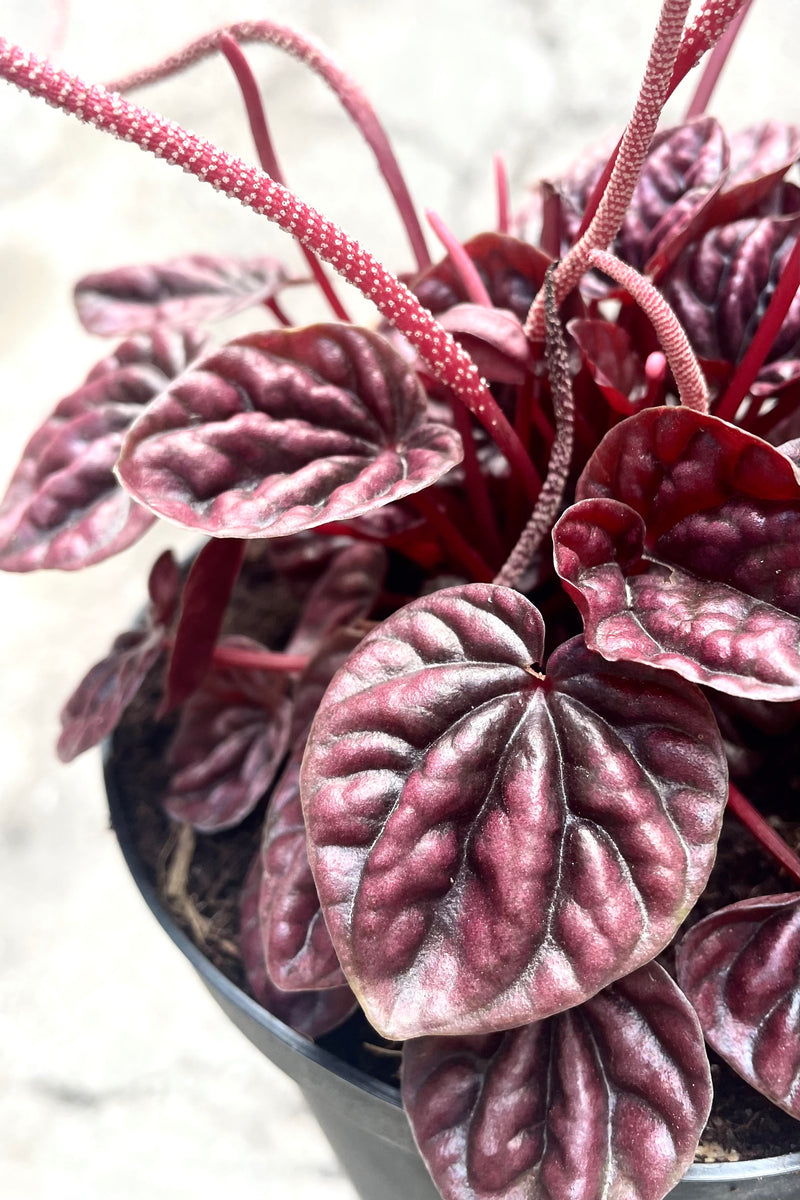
point(283, 431)
point(720, 286)
point(740, 967)
point(346, 590)
point(95, 707)
point(680, 177)
point(308, 1013)
point(684, 553)
point(297, 946)
point(491, 845)
point(613, 362)
point(606, 1100)
point(759, 158)
point(181, 291)
point(512, 272)
point(64, 509)
point(231, 738)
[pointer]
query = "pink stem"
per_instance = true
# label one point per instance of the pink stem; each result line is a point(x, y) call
point(765, 335)
point(278, 313)
point(502, 193)
point(689, 379)
point(632, 152)
point(260, 660)
point(252, 188)
point(763, 832)
point(269, 159)
point(713, 69)
point(350, 96)
point(700, 35)
point(464, 266)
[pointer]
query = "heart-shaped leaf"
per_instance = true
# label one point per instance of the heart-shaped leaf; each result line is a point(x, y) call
point(491, 845)
point(308, 1013)
point(606, 1100)
point(64, 509)
point(613, 363)
point(679, 179)
point(228, 747)
point(95, 707)
point(297, 946)
point(685, 553)
point(344, 592)
point(181, 291)
point(284, 431)
point(740, 968)
point(720, 286)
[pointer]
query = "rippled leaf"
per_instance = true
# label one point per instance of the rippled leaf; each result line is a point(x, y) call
point(684, 553)
point(759, 158)
point(346, 591)
point(607, 1099)
point(740, 968)
point(491, 846)
point(227, 749)
point(308, 1013)
point(283, 431)
point(95, 707)
point(182, 291)
point(64, 509)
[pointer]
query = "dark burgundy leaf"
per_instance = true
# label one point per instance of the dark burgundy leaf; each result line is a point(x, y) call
point(740, 968)
point(759, 158)
point(297, 946)
point(95, 707)
point(346, 591)
point(183, 291)
point(512, 272)
point(685, 553)
point(308, 1013)
point(64, 509)
point(491, 846)
point(205, 598)
point(494, 339)
point(613, 362)
point(721, 285)
point(283, 431)
point(681, 175)
point(607, 1099)
point(228, 747)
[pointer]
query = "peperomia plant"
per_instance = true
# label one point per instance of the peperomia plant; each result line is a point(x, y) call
point(541, 531)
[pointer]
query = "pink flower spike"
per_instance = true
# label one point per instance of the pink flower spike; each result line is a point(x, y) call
point(628, 164)
point(689, 379)
point(268, 158)
point(251, 187)
point(463, 264)
point(347, 92)
point(713, 69)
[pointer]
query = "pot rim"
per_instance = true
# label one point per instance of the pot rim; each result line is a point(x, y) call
point(700, 1173)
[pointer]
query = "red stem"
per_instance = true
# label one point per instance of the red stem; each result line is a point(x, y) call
point(251, 187)
point(765, 335)
point(476, 486)
point(269, 159)
point(452, 540)
point(713, 68)
point(763, 832)
point(349, 95)
point(260, 660)
point(462, 263)
point(502, 193)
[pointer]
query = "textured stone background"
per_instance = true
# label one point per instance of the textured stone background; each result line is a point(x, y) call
point(118, 1077)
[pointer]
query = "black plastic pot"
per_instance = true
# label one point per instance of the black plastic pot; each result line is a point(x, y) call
point(361, 1117)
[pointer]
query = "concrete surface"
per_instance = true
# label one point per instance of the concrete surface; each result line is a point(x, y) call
point(118, 1077)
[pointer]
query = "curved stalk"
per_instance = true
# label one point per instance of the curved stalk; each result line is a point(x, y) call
point(462, 263)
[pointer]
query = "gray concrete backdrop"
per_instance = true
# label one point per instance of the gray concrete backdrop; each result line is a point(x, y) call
point(118, 1078)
